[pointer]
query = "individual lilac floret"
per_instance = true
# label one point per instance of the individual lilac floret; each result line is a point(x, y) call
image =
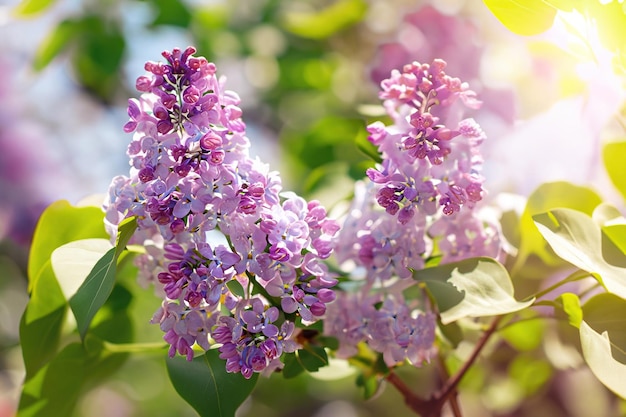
point(237, 260)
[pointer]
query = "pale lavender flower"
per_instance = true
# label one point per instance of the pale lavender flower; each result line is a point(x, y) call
point(387, 323)
point(419, 204)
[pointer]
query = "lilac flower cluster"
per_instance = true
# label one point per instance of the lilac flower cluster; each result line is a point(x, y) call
point(237, 261)
point(425, 163)
point(419, 203)
point(386, 321)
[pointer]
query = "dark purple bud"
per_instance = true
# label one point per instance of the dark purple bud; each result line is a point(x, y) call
point(160, 112)
point(318, 309)
point(146, 174)
point(247, 206)
point(143, 84)
point(210, 141)
point(190, 50)
point(183, 169)
point(474, 192)
point(256, 190)
point(216, 157)
point(298, 294)
point(326, 295)
point(177, 226)
point(279, 254)
point(130, 126)
point(269, 349)
point(406, 214)
point(222, 335)
point(191, 94)
point(173, 251)
point(164, 126)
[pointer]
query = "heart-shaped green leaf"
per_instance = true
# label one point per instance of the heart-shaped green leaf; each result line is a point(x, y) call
point(485, 284)
point(546, 197)
point(207, 387)
point(576, 238)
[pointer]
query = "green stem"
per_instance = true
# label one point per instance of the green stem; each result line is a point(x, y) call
point(134, 347)
point(576, 276)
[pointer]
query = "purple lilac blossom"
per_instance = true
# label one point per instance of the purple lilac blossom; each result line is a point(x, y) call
point(191, 176)
point(421, 202)
point(428, 33)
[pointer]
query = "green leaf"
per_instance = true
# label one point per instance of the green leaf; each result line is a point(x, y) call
point(171, 12)
point(607, 313)
point(236, 288)
point(326, 22)
point(485, 284)
point(55, 43)
point(446, 295)
point(527, 17)
point(529, 373)
point(576, 238)
point(97, 287)
point(452, 332)
point(313, 357)
point(42, 322)
point(613, 226)
point(94, 291)
point(547, 197)
point(207, 387)
point(570, 303)
point(367, 147)
point(526, 334)
point(292, 367)
point(98, 56)
point(73, 262)
point(29, 8)
point(370, 383)
point(56, 388)
point(597, 353)
point(61, 223)
point(614, 154)
point(113, 322)
point(125, 231)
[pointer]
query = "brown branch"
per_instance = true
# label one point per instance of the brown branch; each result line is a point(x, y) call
point(450, 387)
point(414, 402)
point(454, 403)
point(432, 407)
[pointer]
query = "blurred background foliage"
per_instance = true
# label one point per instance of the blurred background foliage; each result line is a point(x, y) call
point(307, 73)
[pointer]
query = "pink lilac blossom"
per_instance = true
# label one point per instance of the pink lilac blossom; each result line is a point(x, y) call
point(191, 176)
point(420, 203)
point(428, 33)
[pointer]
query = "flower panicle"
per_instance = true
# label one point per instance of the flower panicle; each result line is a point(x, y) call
point(418, 205)
point(236, 260)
